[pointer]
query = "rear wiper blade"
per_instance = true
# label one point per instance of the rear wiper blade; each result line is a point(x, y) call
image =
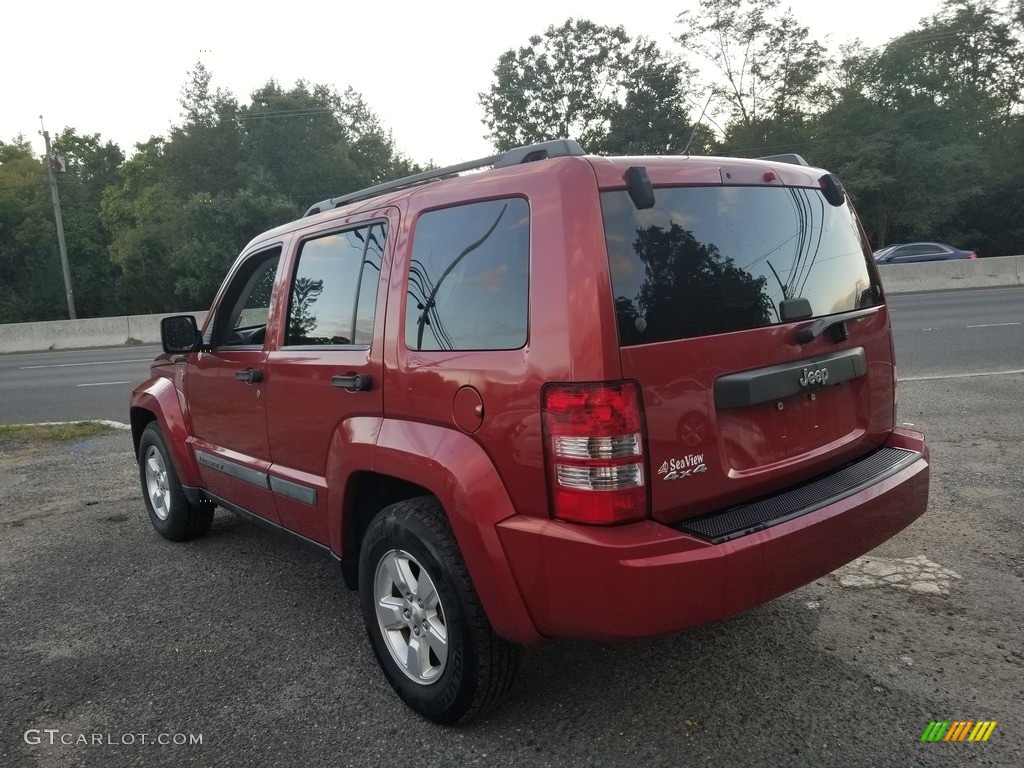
point(809, 333)
point(836, 323)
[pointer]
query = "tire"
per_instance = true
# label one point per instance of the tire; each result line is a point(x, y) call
point(169, 510)
point(463, 669)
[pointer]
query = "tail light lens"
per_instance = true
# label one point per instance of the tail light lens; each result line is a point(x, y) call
point(593, 444)
point(973, 255)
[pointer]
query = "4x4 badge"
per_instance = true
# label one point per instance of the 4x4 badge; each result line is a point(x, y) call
point(679, 469)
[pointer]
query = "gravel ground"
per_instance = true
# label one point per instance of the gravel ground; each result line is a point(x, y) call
point(110, 633)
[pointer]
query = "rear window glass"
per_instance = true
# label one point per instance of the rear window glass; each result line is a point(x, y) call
point(469, 277)
point(708, 260)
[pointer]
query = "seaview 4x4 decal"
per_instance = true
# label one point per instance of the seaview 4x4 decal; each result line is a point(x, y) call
point(680, 469)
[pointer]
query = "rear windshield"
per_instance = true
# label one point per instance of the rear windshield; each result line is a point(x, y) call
point(707, 260)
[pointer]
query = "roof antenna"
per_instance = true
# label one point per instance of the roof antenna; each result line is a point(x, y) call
point(697, 124)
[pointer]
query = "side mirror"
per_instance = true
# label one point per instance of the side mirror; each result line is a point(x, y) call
point(179, 333)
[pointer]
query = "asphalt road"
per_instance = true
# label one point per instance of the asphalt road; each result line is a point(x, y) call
point(937, 334)
point(254, 647)
point(958, 332)
point(72, 384)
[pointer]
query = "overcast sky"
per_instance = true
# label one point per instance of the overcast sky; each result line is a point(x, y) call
point(116, 68)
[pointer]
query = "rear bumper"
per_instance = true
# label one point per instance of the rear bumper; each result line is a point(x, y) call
point(647, 579)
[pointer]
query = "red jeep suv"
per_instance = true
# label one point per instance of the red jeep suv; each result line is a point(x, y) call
point(565, 396)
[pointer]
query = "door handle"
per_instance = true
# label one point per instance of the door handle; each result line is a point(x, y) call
point(359, 381)
point(249, 375)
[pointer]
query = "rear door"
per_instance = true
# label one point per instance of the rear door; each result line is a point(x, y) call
point(325, 369)
point(713, 286)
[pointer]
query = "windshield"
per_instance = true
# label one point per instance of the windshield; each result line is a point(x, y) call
point(709, 260)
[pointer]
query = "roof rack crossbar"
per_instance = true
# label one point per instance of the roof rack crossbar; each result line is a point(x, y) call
point(517, 156)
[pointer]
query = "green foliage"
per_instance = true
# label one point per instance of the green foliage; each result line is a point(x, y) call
point(92, 166)
point(967, 58)
point(205, 151)
point(992, 221)
point(591, 83)
point(31, 286)
point(922, 129)
point(158, 231)
point(190, 203)
point(919, 129)
point(765, 68)
point(906, 168)
point(652, 118)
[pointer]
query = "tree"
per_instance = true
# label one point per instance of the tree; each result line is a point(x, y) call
point(652, 118)
point(31, 286)
point(91, 165)
point(216, 229)
point(992, 221)
point(968, 57)
point(591, 83)
point(205, 153)
point(920, 128)
point(145, 219)
point(189, 203)
point(766, 67)
point(315, 143)
point(902, 167)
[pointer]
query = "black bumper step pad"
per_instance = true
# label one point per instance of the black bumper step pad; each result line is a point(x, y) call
point(745, 519)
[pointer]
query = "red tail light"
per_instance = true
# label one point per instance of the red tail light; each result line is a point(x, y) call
point(593, 442)
point(973, 255)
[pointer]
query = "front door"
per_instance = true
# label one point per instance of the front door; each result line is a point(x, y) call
point(226, 384)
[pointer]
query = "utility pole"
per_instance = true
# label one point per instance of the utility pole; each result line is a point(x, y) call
point(60, 223)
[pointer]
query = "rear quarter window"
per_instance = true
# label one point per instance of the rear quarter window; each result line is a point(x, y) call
point(468, 285)
point(710, 260)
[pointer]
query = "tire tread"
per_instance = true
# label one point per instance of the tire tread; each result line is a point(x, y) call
point(186, 521)
point(498, 659)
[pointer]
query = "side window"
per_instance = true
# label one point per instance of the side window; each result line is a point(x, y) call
point(334, 292)
point(918, 250)
point(469, 274)
point(242, 315)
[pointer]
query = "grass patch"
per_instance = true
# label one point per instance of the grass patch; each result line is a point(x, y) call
point(22, 437)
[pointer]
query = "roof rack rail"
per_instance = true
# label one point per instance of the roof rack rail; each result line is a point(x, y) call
point(791, 158)
point(517, 156)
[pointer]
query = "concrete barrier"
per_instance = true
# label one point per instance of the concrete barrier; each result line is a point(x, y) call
point(950, 275)
point(145, 329)
point(88, 332)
